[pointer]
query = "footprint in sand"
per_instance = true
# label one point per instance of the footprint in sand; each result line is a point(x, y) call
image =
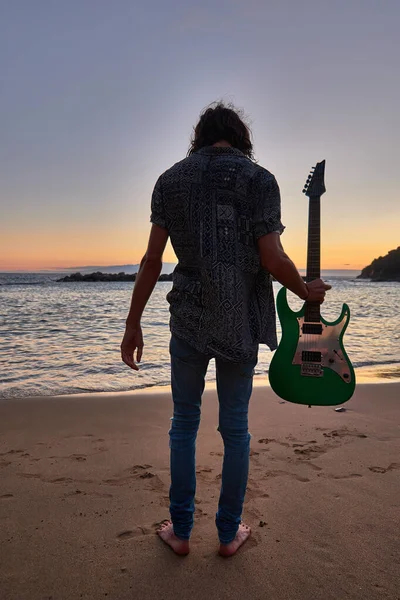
point(12, 452)
point(311, 465)
point(30, 475)
point(56, 480)
point(270, 440)
point(343, 433)
point(310, 451)
point(78, 492)
point(99, 495)
point(204, 473)
point(135, 472)
point(349, 476)
point(132, 533)
point(391, 467)
point(377, 469)
point(279, 473)
point(117, 480)
point(303, 444)
point(78, 457)
point(254, 492)
point(138, 472)
point(204, 470)
point(83, 435)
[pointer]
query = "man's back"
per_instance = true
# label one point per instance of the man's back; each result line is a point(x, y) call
point(222, 213)
point(216, 204)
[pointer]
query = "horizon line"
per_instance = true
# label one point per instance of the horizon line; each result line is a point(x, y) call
point(89, 267)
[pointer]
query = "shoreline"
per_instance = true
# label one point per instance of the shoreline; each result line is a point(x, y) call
point(385, 374)
point(165, 390)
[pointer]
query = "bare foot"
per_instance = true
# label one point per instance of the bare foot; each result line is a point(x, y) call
point(241, 536)
point(166, 533)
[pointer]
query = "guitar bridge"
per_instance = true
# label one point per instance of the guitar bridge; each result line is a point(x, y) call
point(312, 370)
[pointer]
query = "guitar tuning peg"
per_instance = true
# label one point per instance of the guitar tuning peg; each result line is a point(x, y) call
point(304, 190)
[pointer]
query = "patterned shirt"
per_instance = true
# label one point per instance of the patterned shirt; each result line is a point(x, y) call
point(216, 204)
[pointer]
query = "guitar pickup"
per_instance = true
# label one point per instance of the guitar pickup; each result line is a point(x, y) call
point(310, 356)
point(313, 328)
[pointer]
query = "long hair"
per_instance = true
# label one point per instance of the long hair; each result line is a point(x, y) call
point(221, 122)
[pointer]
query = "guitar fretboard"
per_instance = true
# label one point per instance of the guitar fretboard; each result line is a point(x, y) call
point(312, 309)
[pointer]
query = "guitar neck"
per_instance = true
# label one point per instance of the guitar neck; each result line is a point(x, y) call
point(314, 239)
point(313, 253)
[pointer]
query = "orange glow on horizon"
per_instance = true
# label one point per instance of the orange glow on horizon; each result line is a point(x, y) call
point(332, 259)
point(33, 250)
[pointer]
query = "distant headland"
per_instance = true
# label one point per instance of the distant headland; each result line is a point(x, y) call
point(99, 276)
point(384, 268)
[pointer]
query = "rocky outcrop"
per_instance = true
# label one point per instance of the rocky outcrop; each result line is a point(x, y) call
point(384, 268)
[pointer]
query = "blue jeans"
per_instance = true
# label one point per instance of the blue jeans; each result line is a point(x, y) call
point(234, 386)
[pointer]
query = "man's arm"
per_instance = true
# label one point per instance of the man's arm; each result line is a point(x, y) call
point(149, 272)
point(275, 260)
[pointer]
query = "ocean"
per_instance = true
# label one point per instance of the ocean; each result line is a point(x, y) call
point(64, 338)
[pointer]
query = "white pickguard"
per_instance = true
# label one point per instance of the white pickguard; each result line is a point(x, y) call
point(328, 344)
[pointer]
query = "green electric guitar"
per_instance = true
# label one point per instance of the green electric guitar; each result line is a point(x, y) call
point(310, 365)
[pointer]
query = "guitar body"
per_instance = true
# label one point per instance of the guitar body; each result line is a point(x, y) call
point(310, 365)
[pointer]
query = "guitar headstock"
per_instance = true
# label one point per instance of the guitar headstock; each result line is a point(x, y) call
point(315, 184)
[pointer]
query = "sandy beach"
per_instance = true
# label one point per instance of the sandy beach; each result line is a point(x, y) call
point(84, 483)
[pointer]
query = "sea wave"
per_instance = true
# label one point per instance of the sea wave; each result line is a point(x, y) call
point(58, 339)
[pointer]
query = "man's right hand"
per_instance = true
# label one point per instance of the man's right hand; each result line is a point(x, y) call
point(317, 290)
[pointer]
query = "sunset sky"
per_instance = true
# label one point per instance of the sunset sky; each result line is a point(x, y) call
point(98, 98)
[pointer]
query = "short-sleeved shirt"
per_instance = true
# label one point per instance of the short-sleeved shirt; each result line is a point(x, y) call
point(216, 204)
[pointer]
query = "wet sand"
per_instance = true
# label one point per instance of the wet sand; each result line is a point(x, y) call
point(84, 483)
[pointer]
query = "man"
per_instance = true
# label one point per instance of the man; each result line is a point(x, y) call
point(222, 212)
